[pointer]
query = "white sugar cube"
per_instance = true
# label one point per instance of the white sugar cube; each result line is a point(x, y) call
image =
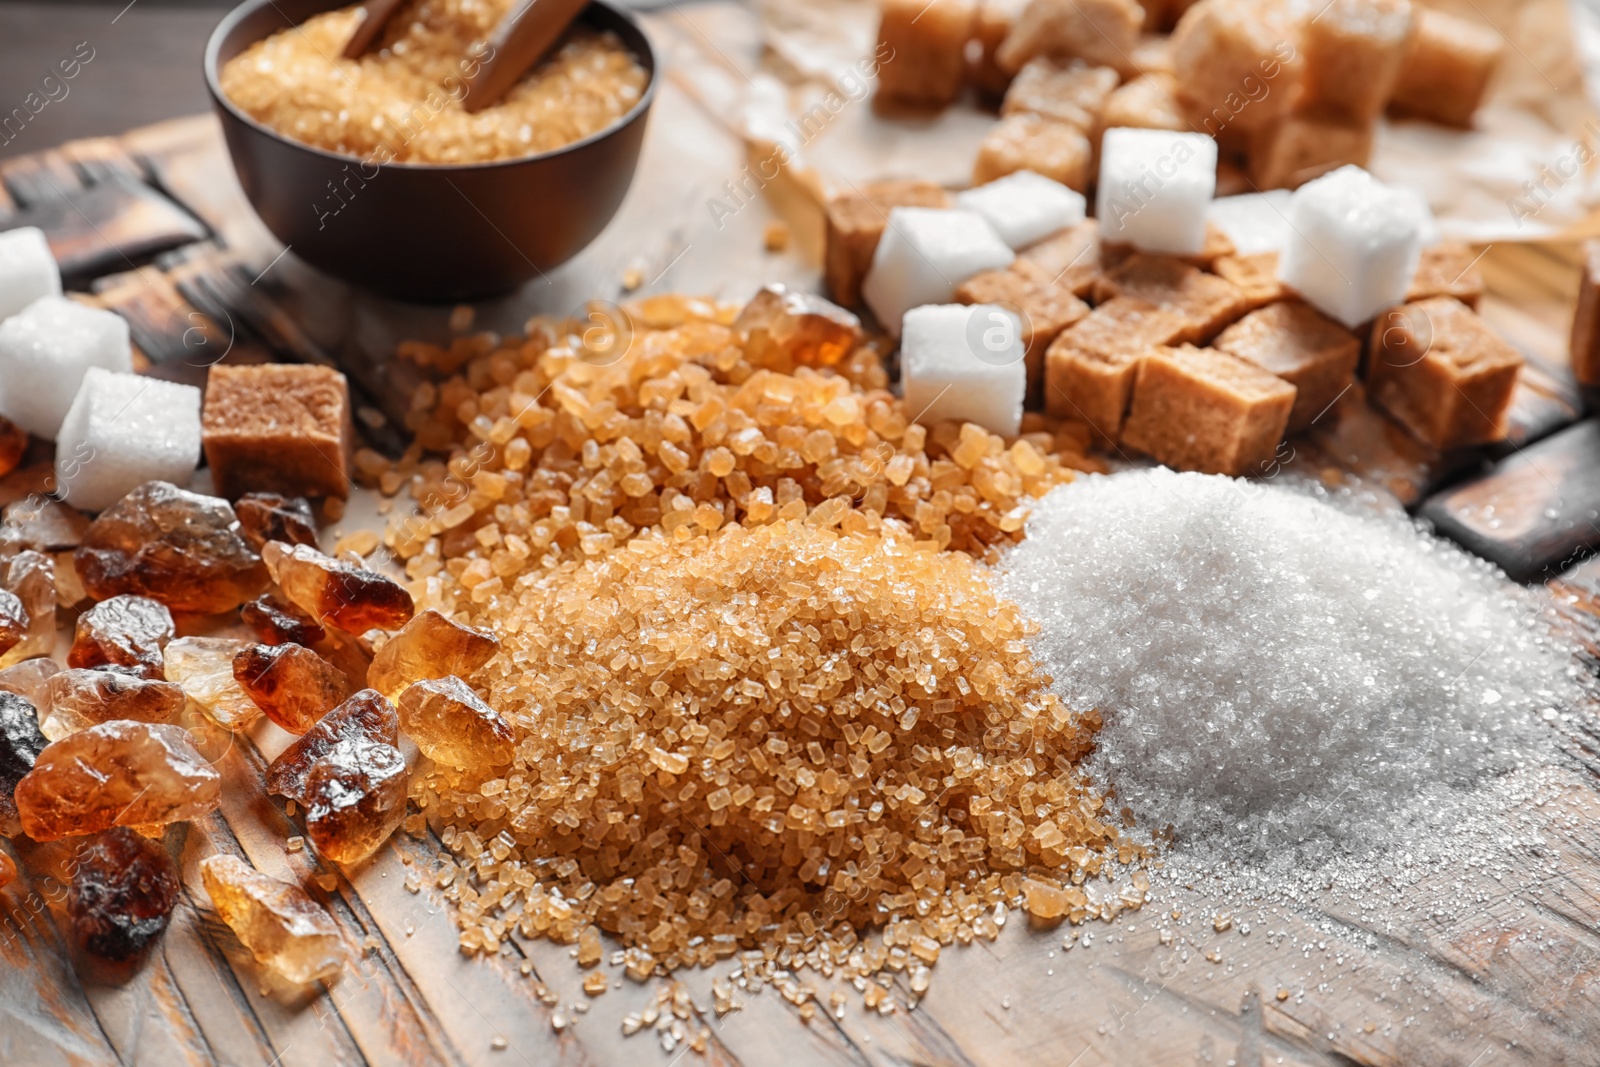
point(923, 255)
point(1155, 186)
point(1428, 231)
point(1254, 222)
point(1025, 207)
point(27, 269)
point(124, 430)
point(45, 350)
point(965, 363)
point(1353, 246)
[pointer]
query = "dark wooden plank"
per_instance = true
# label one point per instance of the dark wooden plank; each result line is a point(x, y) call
point(1536, 513)
point(110, 226)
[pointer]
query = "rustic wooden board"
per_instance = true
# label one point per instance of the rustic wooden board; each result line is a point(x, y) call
point(1513, 979)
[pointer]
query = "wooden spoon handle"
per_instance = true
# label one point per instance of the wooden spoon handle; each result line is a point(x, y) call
point(518, 42)
point(375, 15)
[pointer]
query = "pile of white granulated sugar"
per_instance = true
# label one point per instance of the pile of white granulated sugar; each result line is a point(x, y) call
point(1285, 682)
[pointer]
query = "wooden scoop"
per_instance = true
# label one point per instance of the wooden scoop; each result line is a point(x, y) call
point(375, 15)
point(520, 40)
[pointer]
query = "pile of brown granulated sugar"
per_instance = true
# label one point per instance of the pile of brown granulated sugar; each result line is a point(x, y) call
point(761, 709)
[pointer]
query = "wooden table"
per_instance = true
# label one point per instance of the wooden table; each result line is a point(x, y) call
point(1511, 981)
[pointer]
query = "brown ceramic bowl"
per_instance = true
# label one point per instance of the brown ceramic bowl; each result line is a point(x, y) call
point(419, 231)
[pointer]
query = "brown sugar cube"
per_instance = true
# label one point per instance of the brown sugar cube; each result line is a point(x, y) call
point(1306, 349)
point(1197, 409)
point(1100, 31)
point(993, 22)
point(1307, 145)
point(1256, 276)
point(1217, 245)
point(1236, 66)
point(1160, 16)
point(1586, 320)
point(1448, 269)
point(1152, 55)
point(1025, 141)
point(1071, 257)
point(1068, 90)
point(1045, 305)
point(1353, 50)
point(856, 220)
point(1148, 102)
point(1447, 69)
point(277, 428)
point(1090, 367)
point(1442, 373)
point(924, 48)
point(1205, 302)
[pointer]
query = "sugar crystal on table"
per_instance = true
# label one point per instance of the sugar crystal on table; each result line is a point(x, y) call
point(281, 926)
point(337, 593)
point(124, 888)
point(31, 576)
point(44, 524)
point(81, 697)
point(28, 269)
point(1353, 247)
point(367, 715)
point(291, 683)
point(45, 352)
point(1155, 187)
point(123, 631)
point(452, 725)
point(923, 255)
point(791, 328)
point(20, 745)
point(181, 548)
point(965, 363)
point(124, 430)
point(1447, 68)
point(30, 680)
point(1354, 51)
point(267, 517)
point(1024, 207)
point(13, 621)
point(118, 773)
point(355, 797)
point(276, 621)
point(203, 666)
point(431, 645)
point(1236, 63)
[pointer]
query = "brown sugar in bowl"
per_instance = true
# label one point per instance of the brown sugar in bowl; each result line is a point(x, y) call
point(420, 231)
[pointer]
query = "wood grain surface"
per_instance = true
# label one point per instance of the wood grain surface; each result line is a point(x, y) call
point(1512, 978)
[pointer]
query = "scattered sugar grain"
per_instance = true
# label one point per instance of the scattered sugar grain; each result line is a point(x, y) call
point(1283, 679)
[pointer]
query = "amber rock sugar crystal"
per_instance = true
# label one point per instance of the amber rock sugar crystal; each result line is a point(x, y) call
point(267, 517)
point(116, 774)
point(31, 577)
point(125, 632)
point(84, 696)
point(432, 645)
point(178, 547)
point(203, 667)
point(367, 715)
point(451, 725)
point(355, 797)
point(124, 888)
point(276, 621)
point(291, 683)
point(337, 593)
point(281, 926)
